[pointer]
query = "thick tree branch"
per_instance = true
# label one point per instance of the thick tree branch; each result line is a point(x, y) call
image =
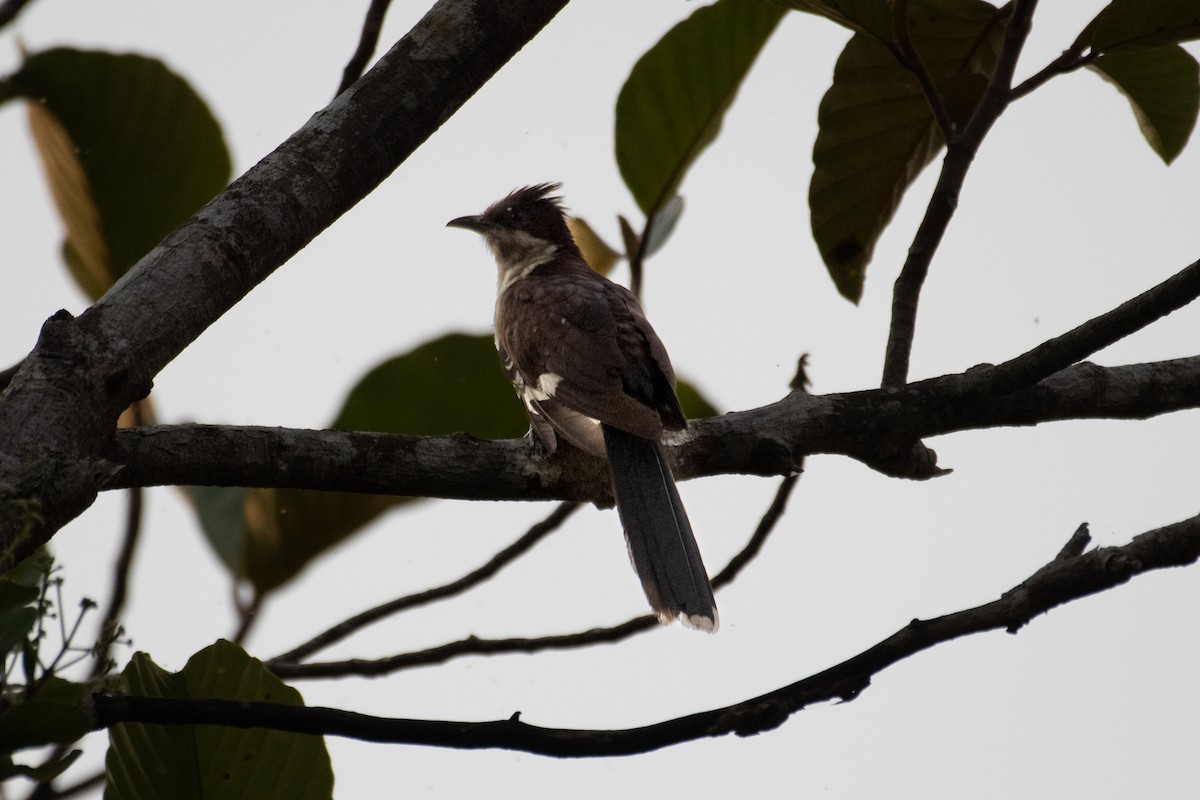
point(60, 409)
point(473, 645)
point(882, 428)
point(1068, 577)
point(960, 153)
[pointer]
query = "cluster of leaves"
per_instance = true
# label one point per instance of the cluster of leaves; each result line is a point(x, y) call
point(910, 77)
point(40, 707)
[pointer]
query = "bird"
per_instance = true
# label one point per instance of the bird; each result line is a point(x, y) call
point(591, 371)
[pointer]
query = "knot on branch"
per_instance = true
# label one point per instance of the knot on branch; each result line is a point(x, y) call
point(755, 719)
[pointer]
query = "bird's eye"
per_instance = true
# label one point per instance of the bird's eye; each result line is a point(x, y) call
point(515, 215)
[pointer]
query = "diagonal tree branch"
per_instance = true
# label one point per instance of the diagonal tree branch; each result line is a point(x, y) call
point(59, 411)
point(1067, 578)
point(474, 645)
point(359, 621)
point(1049, 357)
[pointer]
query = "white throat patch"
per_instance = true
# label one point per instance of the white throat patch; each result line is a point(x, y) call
point(513, 267)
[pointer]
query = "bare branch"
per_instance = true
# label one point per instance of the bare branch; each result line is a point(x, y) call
point(1061, 581)
point(359, 621)
point(960, 153)
point(882, 428)
point(1070, 60)
point(367, 42)
point(1075, 546)
point(473, 645)
point(1049, 357)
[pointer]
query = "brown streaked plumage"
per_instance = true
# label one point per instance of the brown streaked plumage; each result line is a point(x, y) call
point(590, 369)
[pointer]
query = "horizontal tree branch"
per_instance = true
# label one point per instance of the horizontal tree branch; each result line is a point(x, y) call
point(881, 427)
point(1068, 577)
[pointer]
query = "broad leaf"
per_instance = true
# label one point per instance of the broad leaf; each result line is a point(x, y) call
point(662, 225)
point(449, 385)
point(18, 615)
point(130, 152)
point(1163, 87)
point(675, 98)
point(872, 17)
point(596, 252)
point(694, 404)
point(54, 715)
point(222, 514)
point(169, 761)
point(1126, 25)
point(877, 131)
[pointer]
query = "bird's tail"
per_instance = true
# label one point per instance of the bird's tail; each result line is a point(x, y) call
point(661, 544)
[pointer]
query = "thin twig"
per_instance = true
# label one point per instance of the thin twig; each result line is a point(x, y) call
point(473, 645)
point(1059, 582)
point(1076, 544)
point(906, 53)
point(247, 614)
point(959, 155)
point(1097, 333)
point(121, 569)
point(367, 41)
point(359, 621)
point(1070, 60)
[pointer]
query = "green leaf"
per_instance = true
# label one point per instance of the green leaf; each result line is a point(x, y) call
point(1127, 25)
point(16, 625)
point(596, 252)
point(694, 404)
point(877, 131)
point(130, 152)
point(15, 595)
point(449, 385)
point(662, 225)
point(1163, 87)
point(872, 17)
point(222, 514)
point(146, 762)
point(675, 98)
point(55, 714)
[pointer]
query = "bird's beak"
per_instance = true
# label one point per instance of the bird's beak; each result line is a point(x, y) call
point(471, 223)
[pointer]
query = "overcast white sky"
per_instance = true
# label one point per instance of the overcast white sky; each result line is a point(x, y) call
point(1067, 212)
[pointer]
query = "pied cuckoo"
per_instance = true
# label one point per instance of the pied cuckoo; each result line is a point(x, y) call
point(590, 370)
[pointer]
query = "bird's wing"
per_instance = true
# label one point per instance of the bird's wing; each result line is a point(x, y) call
point(579, 343)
